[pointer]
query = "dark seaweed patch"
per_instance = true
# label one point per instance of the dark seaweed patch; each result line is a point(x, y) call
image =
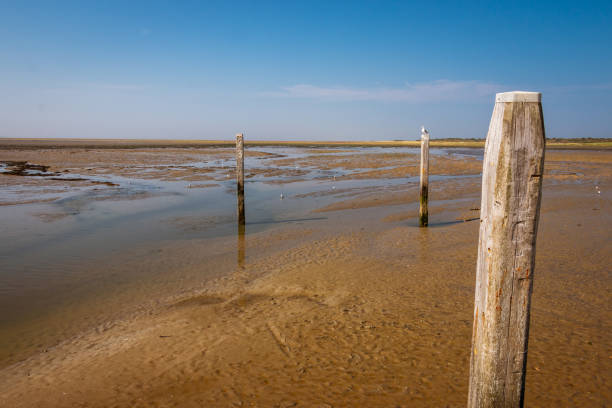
point(23, 168)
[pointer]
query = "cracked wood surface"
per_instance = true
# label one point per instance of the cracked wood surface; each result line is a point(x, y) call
point(510, 206)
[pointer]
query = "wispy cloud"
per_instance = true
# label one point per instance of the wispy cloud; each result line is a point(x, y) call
point(440, 90)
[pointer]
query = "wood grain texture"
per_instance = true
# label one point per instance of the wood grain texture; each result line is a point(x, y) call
point(424, 185)
point(510, 207)
point(240, 177)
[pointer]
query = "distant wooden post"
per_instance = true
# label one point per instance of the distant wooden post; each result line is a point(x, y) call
point(509, 213)
point(240, 177)
point(423, 212)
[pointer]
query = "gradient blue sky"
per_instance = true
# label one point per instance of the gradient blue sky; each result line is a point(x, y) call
point(298, 70)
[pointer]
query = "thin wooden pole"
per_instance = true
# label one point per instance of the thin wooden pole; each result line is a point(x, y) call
point(423, 211)
point(509, 213)
point(240, 177)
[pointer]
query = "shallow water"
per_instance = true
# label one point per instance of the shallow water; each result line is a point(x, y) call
point(57, 255)
point(335, 288)
point(96, 220)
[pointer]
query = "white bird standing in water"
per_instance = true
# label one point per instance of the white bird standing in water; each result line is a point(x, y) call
point(282, 196)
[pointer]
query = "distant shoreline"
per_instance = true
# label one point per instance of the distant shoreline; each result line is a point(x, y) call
point(57, 143)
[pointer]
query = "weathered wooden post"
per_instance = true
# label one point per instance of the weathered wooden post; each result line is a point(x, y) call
point(509, 213)
point(423, 212)
point(240, 177)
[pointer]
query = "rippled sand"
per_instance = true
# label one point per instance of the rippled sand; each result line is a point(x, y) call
point(359, 309)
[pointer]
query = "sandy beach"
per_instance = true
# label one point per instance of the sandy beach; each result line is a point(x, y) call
point(340, 301)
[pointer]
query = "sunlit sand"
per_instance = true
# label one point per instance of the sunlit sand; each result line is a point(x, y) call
point(125, 283)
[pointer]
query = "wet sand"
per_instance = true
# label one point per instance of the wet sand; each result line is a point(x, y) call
point(41, 143)
point(359, 308)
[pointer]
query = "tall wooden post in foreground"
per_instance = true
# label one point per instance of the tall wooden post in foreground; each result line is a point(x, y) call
point(509, 212)
point(240, 177)
point(423, 212)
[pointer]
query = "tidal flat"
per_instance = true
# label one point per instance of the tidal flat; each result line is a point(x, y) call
point(124, 281)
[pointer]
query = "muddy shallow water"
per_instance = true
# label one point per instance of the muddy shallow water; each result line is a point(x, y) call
point(123, 281)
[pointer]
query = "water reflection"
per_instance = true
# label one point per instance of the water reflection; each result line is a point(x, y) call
point(241, 245)
point(241, 225)
point(241, 228)
point(241, 217)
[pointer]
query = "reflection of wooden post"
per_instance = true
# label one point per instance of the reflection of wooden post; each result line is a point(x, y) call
point(509, 213)
point(240, 177)
point(423, 212)
point(241, 246)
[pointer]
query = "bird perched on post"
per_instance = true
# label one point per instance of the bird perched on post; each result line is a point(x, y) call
point(424, 132)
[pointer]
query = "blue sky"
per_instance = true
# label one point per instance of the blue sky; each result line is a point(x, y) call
point(298, 70)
